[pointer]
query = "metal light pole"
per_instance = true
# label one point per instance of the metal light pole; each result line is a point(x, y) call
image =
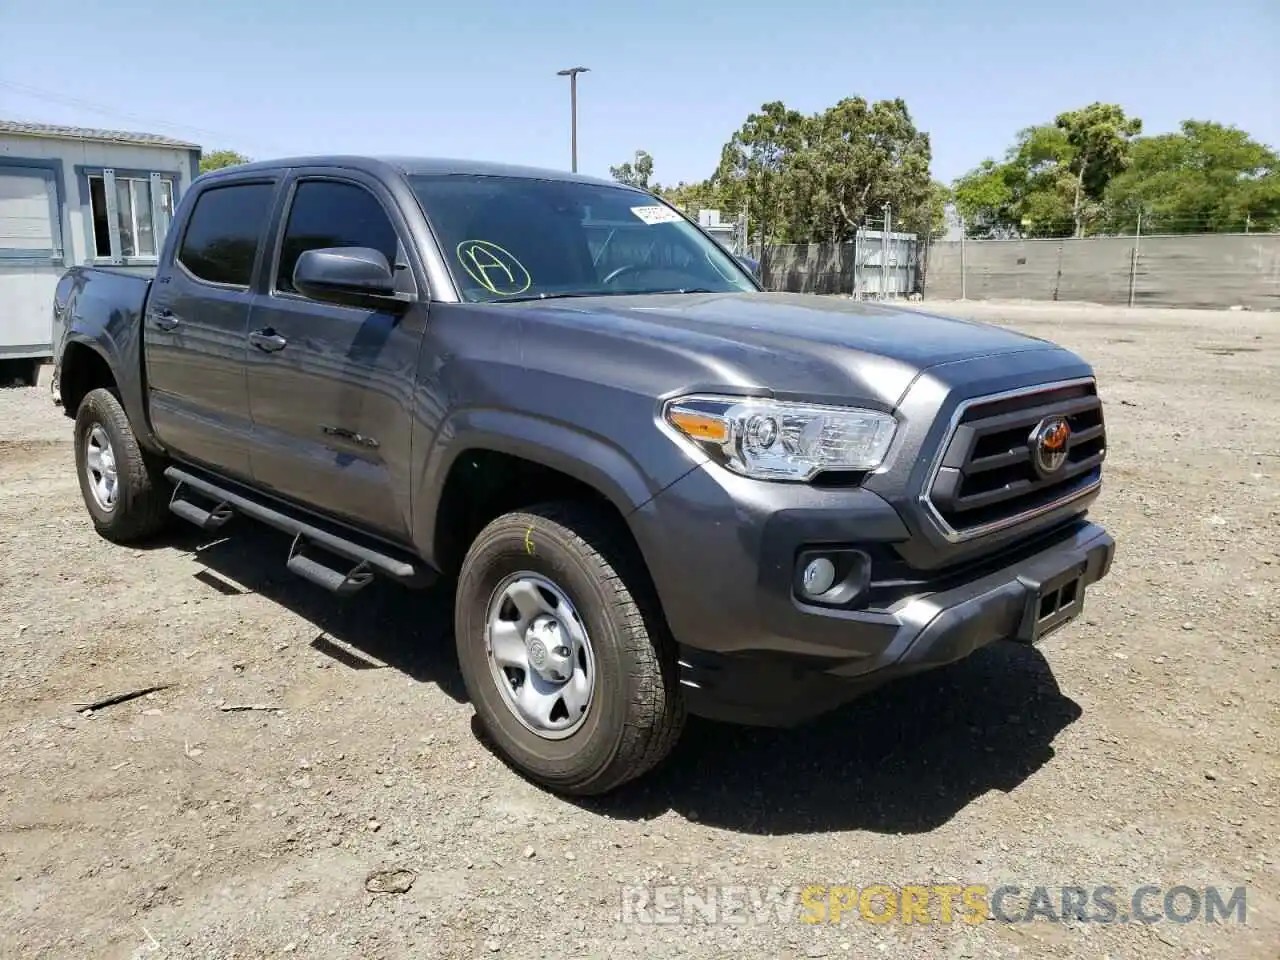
point(884, 252)
point(572, 74)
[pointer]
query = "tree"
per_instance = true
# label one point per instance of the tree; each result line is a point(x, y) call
point(1029, 194)
point(820, 177)
point(939, 197)
point(985, 198)
point(1100, 134)
point(1206, 177)
point(634, 173)
point(858, 157)
point(1089, 172)
point(692, 197)
point(221, 158)
point(753, 162)
point(1053, 179)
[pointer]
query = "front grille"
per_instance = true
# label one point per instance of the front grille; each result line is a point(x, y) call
point(986, 478)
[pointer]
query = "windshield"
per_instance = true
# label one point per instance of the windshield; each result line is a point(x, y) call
point(515, 238)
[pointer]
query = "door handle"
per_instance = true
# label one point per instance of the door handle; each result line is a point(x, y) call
point(268, 340)
point(165, 320)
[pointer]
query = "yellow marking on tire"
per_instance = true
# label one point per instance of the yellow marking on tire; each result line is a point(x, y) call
point(528, 540)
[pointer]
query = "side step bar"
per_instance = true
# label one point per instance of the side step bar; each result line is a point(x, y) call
point(210, 519)
point(332, 580)
point(367, 561)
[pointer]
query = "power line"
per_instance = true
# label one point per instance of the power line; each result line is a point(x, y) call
point(91, 106)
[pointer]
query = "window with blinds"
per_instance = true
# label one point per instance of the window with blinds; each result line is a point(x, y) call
point(29, 221)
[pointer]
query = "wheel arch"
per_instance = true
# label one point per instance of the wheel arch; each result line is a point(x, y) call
point(83, 368)
point(502, 462)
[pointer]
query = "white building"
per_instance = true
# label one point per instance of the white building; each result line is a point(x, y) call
point(68, 196)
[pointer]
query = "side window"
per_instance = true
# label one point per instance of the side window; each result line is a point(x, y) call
point(223, 233)
point(326, 213)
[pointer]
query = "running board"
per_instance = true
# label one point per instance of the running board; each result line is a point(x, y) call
point(367, 560)
point(205, 519)
point(335, 581)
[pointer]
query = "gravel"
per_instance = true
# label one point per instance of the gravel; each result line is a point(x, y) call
point(1138, 745)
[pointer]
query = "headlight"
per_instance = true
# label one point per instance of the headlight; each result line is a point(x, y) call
point(779, 440)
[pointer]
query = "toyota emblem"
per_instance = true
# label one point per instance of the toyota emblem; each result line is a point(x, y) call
point(1049, 442)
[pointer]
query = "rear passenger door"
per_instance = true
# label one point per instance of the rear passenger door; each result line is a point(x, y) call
point(196, 327)
point(331, 407)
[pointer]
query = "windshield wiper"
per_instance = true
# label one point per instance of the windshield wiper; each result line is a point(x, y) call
point(680, 290)
point(599, 293)
point(551, 296)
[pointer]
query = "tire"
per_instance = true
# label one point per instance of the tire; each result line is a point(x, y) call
point(140, 507)
point(635, 714)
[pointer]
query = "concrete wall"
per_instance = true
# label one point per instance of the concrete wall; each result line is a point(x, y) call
point(1214, 270)
point(26, 288)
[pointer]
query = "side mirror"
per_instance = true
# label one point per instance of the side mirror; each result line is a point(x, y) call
point(344, 274)
point(752, 266)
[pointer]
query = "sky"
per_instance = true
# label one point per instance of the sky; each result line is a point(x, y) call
point(477, 79)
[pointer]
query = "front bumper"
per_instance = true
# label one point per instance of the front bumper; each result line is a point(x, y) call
point(751, 652)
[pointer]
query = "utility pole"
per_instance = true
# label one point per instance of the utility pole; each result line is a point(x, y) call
point(1133, 266)
point(963, 291)
point(572, 74)
point(856, 293)
point(884, 253)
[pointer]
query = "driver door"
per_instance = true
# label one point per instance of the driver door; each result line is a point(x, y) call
point(330, 386)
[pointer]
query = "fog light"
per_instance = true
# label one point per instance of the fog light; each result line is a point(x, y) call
point(818, 576)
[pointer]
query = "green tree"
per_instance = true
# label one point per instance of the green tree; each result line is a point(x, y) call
point(820, 177)
point(939, 197)
point(1100, 135)
point(1029, 194)
point(985, 198)
point(692, 197)
point(1206, 177)
point(856, 158)
point(221, 158)
point(1053, 179)
point(636, 172)
point(753, 163)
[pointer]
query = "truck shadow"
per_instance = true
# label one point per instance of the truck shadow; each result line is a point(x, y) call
point(387, 625)
point(904, 759)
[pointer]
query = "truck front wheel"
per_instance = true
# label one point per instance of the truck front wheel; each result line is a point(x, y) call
point(126, 494)
point(565, 654)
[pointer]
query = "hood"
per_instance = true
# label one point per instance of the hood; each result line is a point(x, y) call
point(791, 344)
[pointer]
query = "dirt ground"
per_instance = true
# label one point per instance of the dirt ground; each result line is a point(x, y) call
point(1140, 745)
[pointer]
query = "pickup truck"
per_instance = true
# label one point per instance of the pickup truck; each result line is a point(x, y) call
point(654, 488)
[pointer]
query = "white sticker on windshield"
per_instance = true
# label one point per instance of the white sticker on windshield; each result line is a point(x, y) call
point(656, 214)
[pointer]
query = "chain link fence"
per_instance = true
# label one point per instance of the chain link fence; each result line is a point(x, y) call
point(875, 265)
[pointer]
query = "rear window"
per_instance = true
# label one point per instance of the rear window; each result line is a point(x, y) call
point(224, 231)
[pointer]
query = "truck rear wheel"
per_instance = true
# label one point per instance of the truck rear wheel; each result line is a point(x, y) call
point(564, 651)
point(126, 494)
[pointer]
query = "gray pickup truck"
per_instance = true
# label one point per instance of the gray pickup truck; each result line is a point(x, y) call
point(654, 488)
